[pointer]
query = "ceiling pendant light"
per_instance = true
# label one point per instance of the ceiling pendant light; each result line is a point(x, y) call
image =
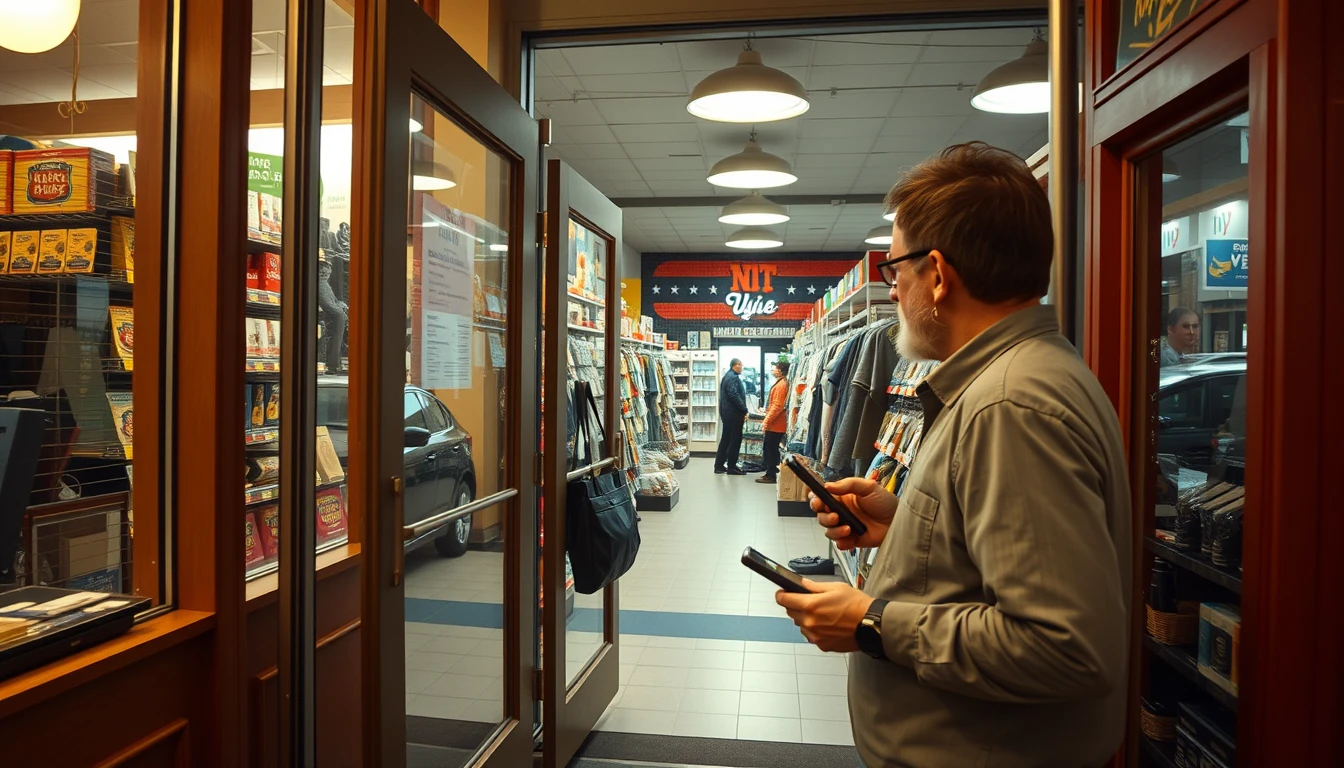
point(889, 215)
point(34, 27)
point(878, 236)
point(1170, 172)
point(752, 168)
point(753, 238)
point(429, 176)
point(416, 126)
point(748, 92)
point(753, 211)
point(1020, 87)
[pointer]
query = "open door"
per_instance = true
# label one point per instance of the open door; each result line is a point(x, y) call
point(445, 316)
point(580, 666)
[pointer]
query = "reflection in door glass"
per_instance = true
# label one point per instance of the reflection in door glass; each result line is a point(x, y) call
point(586, 313)
point(1197, 337)
point(455, 436)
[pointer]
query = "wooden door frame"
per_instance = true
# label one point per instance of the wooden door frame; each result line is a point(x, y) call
point(401, 51)
point(1237, 46)
point(569, 713)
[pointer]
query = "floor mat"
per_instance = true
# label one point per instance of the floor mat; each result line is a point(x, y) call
point(725, 753)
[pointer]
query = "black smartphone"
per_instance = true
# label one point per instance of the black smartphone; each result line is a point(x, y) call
point(815, 485)
point(786, 579)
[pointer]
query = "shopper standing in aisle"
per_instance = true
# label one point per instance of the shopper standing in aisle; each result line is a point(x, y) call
point(776, 421)
point(994, 625)
point(733, 413)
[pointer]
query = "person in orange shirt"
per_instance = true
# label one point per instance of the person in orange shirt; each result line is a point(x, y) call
point(776, 420)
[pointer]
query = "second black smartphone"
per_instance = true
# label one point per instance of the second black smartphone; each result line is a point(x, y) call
point(784, 578)
point(815, 485)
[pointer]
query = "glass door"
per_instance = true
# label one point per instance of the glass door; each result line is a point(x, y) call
point(445, 408)
point(583, 322)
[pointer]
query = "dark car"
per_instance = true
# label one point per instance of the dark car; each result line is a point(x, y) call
point(1201, 410)
point(440, 474)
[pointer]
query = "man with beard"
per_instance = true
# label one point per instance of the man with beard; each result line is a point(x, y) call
point(994, 625)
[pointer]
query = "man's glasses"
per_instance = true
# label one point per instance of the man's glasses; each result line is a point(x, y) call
point(887, 269)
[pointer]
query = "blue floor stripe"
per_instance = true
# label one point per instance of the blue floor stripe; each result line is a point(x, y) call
point(707, 626)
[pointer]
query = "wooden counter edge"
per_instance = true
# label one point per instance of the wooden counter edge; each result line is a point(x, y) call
point(262, 591)
point(144, 640)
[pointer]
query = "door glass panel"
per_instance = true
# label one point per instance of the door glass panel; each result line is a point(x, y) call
point(457, 333)
point(586, 315)
point(1196, 337)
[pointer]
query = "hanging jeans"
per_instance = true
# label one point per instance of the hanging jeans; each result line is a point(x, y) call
point(770, 449)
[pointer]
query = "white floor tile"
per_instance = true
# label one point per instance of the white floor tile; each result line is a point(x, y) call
point(717, 660)
point(432, 662)
point(756, 646)
point(651, 698)
point(769, 704)
point(687, 643)
point(661, 677)
point(769, 662)
point(827, 732)
point(770, 682)
point(710, 702)
point(667, 657)
point(438, 706)
point(417, 681)
point(640, 721)
point(829, 708)
point(826, 685)
point(832, 664)
point(715, 679)
point(719, 645)
point(462, 686)
point(707, 726)
point(769, 729)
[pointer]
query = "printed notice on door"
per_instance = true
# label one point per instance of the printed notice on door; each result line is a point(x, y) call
point(445, 296)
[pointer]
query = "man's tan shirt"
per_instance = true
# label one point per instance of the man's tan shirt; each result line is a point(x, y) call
point(1007, 567)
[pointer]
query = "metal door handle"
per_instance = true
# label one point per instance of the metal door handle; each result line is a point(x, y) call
point(457, 448)
point(432, 457)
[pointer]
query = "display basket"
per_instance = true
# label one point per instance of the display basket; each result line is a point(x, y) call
point(1180, 628)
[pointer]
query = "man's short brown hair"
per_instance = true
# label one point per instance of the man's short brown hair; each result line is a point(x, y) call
point(984, 211)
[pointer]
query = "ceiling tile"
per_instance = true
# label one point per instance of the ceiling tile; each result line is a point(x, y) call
point(634, 59)
point(671, 164)
point(863, 128)
point(589, 134)
point(633, 134)
point(884, 50)
point(934, 102)
point(1005, 38)
point(571, 113)
point(956, 73)
point(605, 151)
point(921, 126)
point(118, 77)
point(639, 149)
point(646, 84)
point(778, 52)
point(552, 60)
point(826, 147)
point(683, 175)
point(854, 104)
point(880, 76)
point(556, 88)
point(825, 161)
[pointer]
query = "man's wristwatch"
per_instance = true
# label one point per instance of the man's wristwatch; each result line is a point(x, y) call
point(869, 632)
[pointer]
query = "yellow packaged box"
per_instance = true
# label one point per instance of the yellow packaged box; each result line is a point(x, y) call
point(51, 253)
point(123, 246)
point(23, 252)
point(4, 252)
point(62, 180)
point(6, 181)
point(123, 334)
point(81, 250)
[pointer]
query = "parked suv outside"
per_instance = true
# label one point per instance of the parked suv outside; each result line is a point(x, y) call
point(440, 473)
point(1201, 409)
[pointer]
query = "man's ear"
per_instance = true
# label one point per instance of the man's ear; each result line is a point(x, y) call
point(943, 275)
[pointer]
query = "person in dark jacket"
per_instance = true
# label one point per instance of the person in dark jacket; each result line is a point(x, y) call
point(733, 413)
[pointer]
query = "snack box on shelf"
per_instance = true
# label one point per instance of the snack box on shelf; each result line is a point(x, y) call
point(71, 180)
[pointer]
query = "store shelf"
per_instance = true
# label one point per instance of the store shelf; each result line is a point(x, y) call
point(1184, 662)
point(489, 324)
point(586, 329)
point(846, 567)
point(641, 342)
point(47, 219)
point(1223, 577)
point(260, 241)
point(263, 493)
point(585, 300)
point(1162, 755)
point(257, 437)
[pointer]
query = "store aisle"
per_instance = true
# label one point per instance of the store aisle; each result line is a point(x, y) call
point(705, 651)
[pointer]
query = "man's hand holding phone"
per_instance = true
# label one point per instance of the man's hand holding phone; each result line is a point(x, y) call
point(868, 500)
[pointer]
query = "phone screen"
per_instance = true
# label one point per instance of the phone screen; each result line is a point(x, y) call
point(766, 564)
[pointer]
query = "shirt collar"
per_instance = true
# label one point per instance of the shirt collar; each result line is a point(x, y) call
point(944, 385)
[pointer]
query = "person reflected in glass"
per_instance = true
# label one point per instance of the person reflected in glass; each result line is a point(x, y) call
point(1182, 336)
point(776, 420)
point(733, 412)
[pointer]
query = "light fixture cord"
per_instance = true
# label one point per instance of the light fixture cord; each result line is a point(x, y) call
point(74, 106)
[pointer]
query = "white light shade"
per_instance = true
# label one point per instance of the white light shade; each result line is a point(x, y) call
point(428, 176)
point(1169, 170)
point(752, 168)
point(889, 215)
point(749, 92)
point(34, 26)
point(1020, 87)
point(416, 127)
point(499, 247)
point(753, 211)
point(752, 238)
point(878, 236)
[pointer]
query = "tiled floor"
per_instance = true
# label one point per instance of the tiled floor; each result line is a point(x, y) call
point(689, 563)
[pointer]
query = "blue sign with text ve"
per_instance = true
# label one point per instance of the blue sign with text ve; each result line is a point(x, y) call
point(1227, 263)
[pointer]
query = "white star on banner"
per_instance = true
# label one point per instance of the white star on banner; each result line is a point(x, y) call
point(693, 289)
point(810, 289)
point(674, 289)
point(714, 289)
point(656, 289)
point(790, 290)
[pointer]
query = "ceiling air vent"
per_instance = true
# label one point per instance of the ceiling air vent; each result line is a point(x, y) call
point(259, 48)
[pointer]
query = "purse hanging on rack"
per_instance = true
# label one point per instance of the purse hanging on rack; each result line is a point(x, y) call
point(601, 528)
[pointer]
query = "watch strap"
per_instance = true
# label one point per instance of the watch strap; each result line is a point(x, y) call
point(869, 632)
